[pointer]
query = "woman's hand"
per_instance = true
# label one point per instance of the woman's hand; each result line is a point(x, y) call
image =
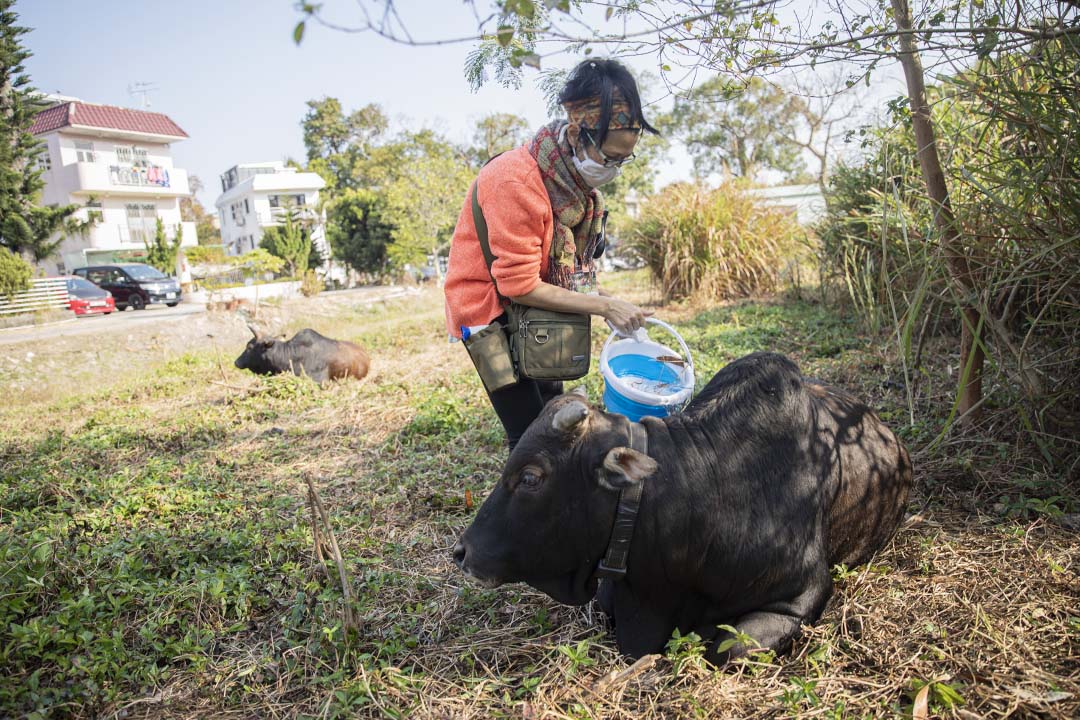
point(625, 317)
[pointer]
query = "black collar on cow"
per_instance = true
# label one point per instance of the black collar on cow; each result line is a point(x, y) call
point(613, 565)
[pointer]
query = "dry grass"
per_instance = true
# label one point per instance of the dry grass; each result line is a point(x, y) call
point(966, 596)
point(719, 243)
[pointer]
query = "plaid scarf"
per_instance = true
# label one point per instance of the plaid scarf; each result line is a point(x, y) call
point(577, 208)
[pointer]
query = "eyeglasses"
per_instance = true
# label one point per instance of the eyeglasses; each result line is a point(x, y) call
point(606, 161)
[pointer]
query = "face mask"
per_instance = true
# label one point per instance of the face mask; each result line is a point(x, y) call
point(593, 173)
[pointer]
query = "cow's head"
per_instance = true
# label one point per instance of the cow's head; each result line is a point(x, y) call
point(254, 356)
point(548, 521)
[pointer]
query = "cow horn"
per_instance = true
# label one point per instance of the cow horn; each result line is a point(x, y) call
point(580, 391)
point(254, 330)
point(570, 416)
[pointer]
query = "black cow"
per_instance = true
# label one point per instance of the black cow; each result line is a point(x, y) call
point(748, 498)
point(307, 353)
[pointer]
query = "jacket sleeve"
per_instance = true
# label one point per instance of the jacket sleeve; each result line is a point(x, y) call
point(515, 215)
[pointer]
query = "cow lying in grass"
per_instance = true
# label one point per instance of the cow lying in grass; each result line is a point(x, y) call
point(743, 503)
point(307, 353)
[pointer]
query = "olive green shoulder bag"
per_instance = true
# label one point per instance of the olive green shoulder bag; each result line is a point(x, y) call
point(544, 344)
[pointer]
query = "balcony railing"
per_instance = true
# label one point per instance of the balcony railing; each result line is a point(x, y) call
point(85, 178)
point(111, 236)
point(148, 176)
point(276, 216)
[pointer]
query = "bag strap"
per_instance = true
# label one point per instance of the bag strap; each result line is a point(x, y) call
point(482, 236)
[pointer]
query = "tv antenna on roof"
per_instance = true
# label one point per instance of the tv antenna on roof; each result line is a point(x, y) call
point(143, 89)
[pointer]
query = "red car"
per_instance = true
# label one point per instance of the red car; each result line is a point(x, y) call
point(86, 298)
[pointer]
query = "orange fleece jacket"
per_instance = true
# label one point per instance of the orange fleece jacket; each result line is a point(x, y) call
point(519, 219)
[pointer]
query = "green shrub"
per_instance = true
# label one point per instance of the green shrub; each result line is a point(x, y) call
point(162, 252)
point(15, 273)
point(719, 243)
point(290, 241)
point(311, 285)
point(205, 254)
point(876, 238)
point(1007, 132)
point(257, 262)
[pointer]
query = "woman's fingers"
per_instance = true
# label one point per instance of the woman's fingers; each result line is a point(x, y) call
point(627, 317)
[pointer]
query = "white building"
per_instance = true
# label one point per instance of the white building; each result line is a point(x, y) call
point(804, 201)
point(255, 196)
point(115, 163)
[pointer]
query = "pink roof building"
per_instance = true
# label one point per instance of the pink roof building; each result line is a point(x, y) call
point(107, 119)
point(117, 164)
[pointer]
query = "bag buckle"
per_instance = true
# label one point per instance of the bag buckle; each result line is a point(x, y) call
point(542, 336)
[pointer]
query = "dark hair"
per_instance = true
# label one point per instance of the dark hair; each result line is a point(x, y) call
point(599, 78)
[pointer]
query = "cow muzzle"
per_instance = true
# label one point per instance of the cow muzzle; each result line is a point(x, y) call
point(461, 559)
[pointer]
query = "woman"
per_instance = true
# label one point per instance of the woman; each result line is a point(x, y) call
point(544, 217)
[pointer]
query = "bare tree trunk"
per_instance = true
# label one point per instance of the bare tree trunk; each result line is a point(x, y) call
point(938, 191)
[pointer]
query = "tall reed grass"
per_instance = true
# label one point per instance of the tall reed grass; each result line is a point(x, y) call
point(717, 244)
point(1009, 134)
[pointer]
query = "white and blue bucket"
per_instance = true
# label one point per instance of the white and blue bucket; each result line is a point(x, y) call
point(643, 377)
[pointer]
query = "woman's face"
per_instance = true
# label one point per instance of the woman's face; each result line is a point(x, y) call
point(618, 145)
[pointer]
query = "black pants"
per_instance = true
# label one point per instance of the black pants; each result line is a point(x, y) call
point(518, 405)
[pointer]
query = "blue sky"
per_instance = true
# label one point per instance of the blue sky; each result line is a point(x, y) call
point(229, 73)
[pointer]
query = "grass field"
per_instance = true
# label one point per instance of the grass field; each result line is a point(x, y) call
point(157, 556)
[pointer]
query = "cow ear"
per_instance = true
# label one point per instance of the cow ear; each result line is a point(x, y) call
point(624, 467)
point(267, 342)
point(570, 416)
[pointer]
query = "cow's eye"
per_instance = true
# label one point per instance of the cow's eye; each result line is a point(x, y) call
point(530, 478)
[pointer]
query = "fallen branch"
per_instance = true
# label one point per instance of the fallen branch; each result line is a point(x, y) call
point(348, 620)
point(615, 678)
point(228, 385)
point(316, 536)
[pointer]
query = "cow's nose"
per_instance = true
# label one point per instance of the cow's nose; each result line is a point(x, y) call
point(459, 554)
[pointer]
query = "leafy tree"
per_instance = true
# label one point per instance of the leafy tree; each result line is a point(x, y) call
point(191, 210)
point(359, 160)
point(161, 252)
point(496, 133)
point(15, 273)
point(257, 262)
point(424, 200)
point(290, 241)
point(340, 147)
point(359, 231)
point(827, 105)
point(24, 226)
point(739, 129)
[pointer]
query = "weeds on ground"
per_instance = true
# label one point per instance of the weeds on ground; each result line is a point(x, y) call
point(157, 559)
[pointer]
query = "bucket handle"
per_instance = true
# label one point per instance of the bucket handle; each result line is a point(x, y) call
point(661, 323)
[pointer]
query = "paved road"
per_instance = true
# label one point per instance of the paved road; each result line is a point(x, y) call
point(97, 324)
point(160, 314)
